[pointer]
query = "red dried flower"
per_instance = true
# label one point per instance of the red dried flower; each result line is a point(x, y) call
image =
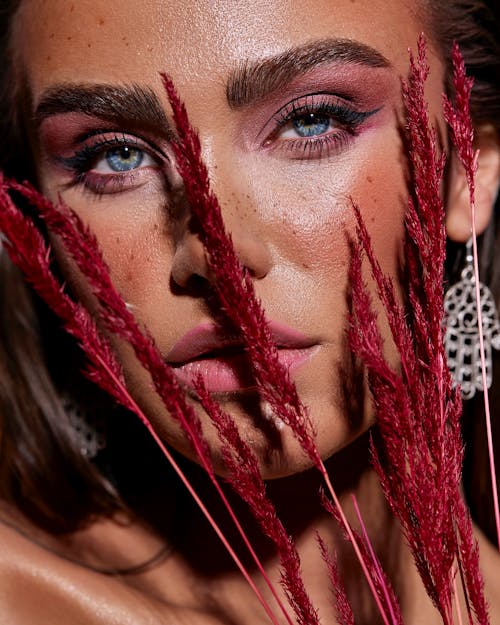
point(418, 452)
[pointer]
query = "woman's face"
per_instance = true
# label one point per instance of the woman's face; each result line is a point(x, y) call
point(298, 107)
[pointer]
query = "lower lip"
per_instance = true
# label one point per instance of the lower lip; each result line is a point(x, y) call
point(231, 374)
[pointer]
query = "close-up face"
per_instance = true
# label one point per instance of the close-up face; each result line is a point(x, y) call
point(298, 108)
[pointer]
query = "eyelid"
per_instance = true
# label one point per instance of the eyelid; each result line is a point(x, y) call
point(329, 103)
point(305, 101)
point(93, 150)
point(346, 118)
point(118, 131)
point(81, 164)
point(314, 102)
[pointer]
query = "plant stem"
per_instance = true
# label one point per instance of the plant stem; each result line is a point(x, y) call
point(491, 453)
point(353, 541)
point(195, 496)
point(374, 558)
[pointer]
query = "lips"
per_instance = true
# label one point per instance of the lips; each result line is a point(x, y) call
point(221, 360)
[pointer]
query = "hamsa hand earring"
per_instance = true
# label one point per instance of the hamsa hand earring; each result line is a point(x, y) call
point(462, 333)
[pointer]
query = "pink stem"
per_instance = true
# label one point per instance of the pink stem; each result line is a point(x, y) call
point(487, 414)
point(457, 602)
point(374, 558)
point(252, 552)
point(353, 541)
point(193, 493)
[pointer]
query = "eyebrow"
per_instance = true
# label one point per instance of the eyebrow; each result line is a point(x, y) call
point(252, 81)
point(255, 80)
point(133, 104)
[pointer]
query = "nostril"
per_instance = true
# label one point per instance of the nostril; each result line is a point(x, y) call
point(194, 286)
point(190, 266)
point(190, 261)
point(198, 285)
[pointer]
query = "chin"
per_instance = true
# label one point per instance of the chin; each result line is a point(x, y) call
point(275, 446)
point(337, 413)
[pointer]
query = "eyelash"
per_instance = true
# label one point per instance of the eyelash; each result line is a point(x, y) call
point(82, 161)
point(348, 121)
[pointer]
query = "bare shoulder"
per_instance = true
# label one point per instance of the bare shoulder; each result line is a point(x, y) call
point(25, 591)
point(37, 587)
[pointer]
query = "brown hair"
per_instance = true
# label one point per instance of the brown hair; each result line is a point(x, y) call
point(42, 472)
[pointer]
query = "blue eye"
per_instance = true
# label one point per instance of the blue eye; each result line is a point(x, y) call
point(123, 158)
point(311, 125)
point(111, 164)
point(316, 124)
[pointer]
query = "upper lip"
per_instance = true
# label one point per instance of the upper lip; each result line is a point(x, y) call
point(208, 337)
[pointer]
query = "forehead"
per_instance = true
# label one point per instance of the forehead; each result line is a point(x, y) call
point(196, 42)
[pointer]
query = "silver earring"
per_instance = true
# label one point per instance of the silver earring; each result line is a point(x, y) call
point(462, 334)
point(89, 434)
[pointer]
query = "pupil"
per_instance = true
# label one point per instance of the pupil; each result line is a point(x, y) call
point(125, 153)
point(311, 125)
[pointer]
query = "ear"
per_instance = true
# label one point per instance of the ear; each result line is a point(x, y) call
point(458, 223)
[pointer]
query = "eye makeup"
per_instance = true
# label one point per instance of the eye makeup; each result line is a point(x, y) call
point(82, 152)
point(111, 163)
point(315, 125)
point(320, 113)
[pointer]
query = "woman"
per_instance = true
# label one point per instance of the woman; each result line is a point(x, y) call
point(299, 108)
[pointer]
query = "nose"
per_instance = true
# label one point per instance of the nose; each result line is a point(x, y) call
point(190, 259)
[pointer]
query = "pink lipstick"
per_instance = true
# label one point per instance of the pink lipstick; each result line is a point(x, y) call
point(221, 360)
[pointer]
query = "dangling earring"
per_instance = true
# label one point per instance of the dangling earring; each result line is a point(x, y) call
point(462, 334)
point(89, 434)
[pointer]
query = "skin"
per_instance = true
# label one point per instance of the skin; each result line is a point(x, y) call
point(290, 229)
point(288, 211)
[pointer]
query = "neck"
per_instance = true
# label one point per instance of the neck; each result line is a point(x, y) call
point(297, 502)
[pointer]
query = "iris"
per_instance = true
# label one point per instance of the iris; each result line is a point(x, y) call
point(124, 158)
point(311, 125)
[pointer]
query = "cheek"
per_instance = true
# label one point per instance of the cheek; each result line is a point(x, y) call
point(138, 253)
point(133, 234)
point(307, 211)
